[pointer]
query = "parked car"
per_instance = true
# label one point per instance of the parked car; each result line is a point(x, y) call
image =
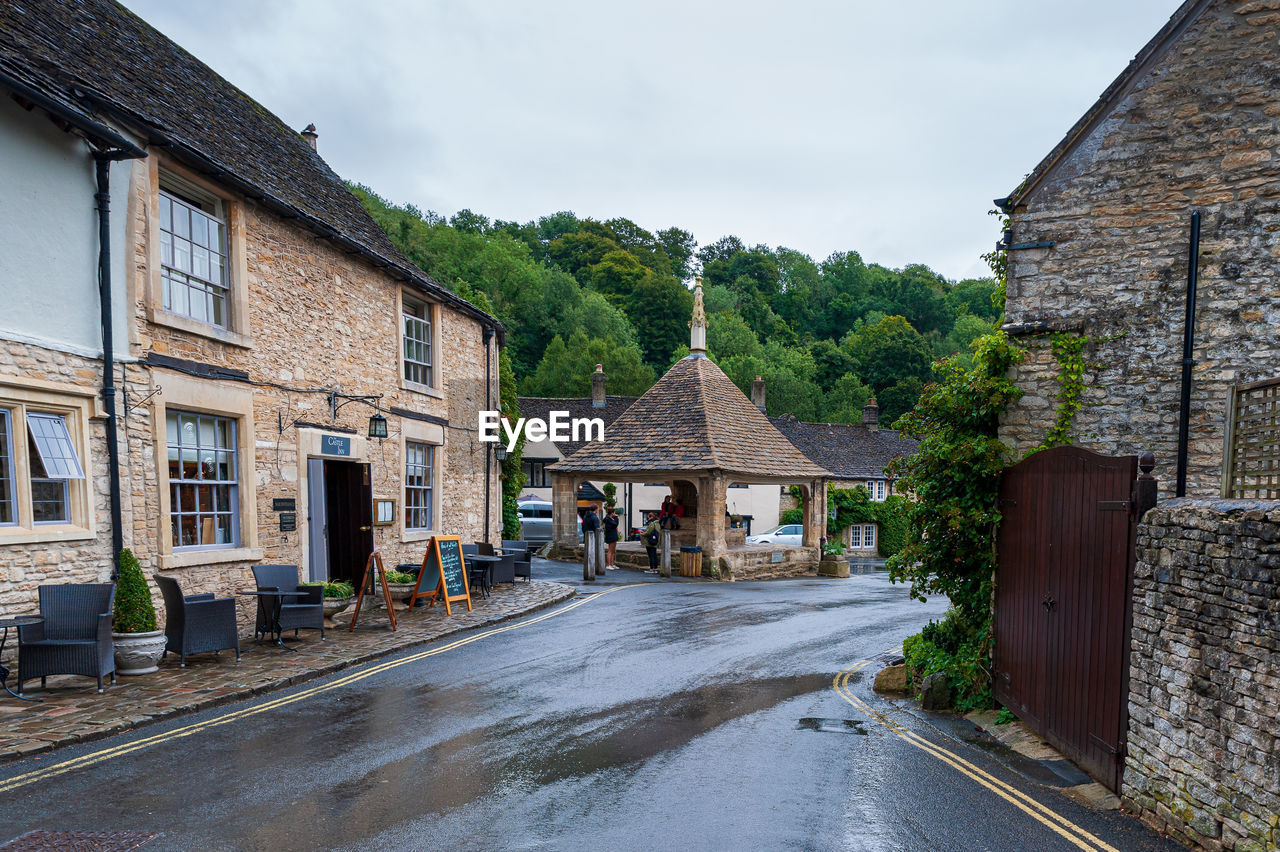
point(785, 534)
point(535, 520)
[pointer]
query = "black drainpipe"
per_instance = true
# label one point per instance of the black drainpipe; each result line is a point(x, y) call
point(488, 400)
point(102, 162)
point(1188, 342)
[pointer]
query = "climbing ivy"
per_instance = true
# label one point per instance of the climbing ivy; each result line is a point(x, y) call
point(855, 506)
point(1068, 350)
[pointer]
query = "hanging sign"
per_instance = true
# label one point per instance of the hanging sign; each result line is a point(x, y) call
point(444, 573)
point(373, 574)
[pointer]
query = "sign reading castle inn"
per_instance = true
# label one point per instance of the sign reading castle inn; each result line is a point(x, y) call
point(260, 320)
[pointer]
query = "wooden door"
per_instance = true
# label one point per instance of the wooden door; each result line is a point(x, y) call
point(349, 512)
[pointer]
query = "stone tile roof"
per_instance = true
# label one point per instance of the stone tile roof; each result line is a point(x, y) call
point(848, 450)
point(1185, 15)
point(98, 58)
point(542, 406)
point(694, 418)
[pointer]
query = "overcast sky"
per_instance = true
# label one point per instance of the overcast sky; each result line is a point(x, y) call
point(885, 128)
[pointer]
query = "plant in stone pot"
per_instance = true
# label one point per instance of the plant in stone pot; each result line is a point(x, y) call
point(138, 644)
point(400, 584)
point(337, 596)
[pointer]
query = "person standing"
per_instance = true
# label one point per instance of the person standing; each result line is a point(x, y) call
point(611, 521)
point(667, 517)
point(651, 535)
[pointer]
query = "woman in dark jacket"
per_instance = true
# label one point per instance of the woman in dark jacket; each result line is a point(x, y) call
point(611, 536)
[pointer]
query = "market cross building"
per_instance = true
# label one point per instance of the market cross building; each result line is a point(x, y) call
point(267, 334)
point(697, 432)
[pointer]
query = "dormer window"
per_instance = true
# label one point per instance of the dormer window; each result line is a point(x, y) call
point(193, 255)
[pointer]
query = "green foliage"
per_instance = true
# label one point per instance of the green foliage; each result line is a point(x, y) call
point(891, 516)
point(134, 611)
point(565, 369)
point(1068, 351)
point(833, 548)
point(610, 494)
point(894, 359)
point(954, 476)
point(1005, 716)
point(791, 516)
point(510, 469)
point(958, 648)
point(400, 577)
point(339, 590)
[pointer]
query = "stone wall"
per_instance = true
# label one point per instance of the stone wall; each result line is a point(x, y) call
point(1198, 130)
point(1203, 759)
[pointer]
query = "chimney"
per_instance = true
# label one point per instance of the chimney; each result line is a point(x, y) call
point(757, 393)
point(597, 387)
point(871, 415)
point(309, 134)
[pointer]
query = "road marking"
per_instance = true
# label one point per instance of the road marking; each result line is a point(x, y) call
point(1042, 813)
point(96, 757)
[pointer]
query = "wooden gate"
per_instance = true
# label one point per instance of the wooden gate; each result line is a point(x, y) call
point(1062, 610)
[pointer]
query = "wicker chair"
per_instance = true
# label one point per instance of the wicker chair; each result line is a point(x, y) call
point(470, 550)
point(196, 623)
point(75, 636)
point(524, 567)
point(484, 548)
point(504, 570)
point(296, 613)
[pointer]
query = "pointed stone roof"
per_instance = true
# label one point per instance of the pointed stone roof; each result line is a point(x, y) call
point(694, 418)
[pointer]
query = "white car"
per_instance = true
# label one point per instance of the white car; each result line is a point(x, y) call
point(535, 520)
point(785, 534)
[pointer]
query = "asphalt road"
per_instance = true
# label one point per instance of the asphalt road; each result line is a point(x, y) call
point(666, 715)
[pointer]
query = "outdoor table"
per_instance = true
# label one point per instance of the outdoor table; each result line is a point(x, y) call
point(486, 562)
point(275, 612)
point(5, 624)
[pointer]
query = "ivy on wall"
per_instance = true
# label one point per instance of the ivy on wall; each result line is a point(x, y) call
point(855, 506)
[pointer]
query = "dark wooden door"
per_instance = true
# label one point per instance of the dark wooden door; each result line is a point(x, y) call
point(1062, 609)
point(349, 510)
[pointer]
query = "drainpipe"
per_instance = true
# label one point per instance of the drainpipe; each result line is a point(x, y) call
point(488, 402)
point(1188, 342)
point(102, 162)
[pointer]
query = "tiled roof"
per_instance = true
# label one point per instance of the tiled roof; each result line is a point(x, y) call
point(542, 406)
point(848, 450)
point(694, 418)
point(100, 59)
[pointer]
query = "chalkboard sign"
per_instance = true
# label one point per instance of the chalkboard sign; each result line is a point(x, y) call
point(444, 572)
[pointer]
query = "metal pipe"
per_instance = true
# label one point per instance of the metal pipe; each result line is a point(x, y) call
point(1188, 343)
point(102, 162)
point(488, 403)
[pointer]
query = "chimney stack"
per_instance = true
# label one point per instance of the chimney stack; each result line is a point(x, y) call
point(597, 387)
point(309, 134)
point(871, 415)
point(757, 393)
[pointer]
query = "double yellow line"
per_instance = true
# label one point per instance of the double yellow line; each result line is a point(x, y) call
point(1048, 817)
point(53, 770)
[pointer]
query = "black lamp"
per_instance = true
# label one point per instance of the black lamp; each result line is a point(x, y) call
point(500, 453)
point(377, 426)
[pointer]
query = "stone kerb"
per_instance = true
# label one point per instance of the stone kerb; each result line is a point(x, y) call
point(1203, 760)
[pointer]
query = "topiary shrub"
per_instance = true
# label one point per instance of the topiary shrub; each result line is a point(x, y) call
point(134, 613)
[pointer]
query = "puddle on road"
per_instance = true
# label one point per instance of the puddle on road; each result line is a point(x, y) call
point(835, 726)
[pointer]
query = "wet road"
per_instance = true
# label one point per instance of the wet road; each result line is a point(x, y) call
point(671, 715)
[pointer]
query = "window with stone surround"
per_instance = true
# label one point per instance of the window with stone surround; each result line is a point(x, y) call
point(418, 343)
point(193, 254)
point(203, 480)
point(419, 480)
point(862, 536)
point(43, 488)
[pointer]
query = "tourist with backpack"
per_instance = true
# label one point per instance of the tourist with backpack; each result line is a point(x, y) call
point(650, 536)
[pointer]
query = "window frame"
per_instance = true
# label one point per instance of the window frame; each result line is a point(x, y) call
point(541, 465)
point(76, 406)
point(159, 172)
point(433, 434)
point(194, 203)
point(429, 490)
point(408, 300)
point(232, 485)
point(869, 535)
point(855, 544)
point(7, 471)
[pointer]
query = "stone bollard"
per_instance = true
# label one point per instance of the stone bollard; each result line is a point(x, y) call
point(664, 567)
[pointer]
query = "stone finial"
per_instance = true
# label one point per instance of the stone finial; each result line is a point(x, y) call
point(757, 393)
point(597, 387)
point(871, 415)
point(309, 134)
point(698, 325)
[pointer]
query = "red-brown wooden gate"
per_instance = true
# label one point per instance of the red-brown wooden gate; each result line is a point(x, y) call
point(1062, 609)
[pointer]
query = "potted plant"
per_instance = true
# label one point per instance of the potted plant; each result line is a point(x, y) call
point(337, 597)
point(138, 644)
point(400, 584)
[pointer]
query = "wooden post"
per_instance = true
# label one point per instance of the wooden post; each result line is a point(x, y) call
point(664, 567)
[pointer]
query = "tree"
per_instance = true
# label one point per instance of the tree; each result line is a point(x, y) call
point(888, 352)
point(728, 335)
point(566, 368)
point(974, 296)
point(844, 402)
point(659, 307)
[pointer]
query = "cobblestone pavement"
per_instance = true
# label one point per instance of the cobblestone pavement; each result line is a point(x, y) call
point(73, 711)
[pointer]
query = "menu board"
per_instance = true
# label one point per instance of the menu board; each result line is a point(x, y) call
point(444, 573)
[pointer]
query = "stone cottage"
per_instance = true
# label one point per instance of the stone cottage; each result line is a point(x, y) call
point(273, 334)
point(1103, 249)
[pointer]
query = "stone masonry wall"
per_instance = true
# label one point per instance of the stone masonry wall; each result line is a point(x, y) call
point(1198, 131)
point(1204, 762)
point(320, 319)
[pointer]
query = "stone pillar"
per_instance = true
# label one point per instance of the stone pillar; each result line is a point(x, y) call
point(564, 509)
point(815, 511)
point(712, 499)
point(664, 563)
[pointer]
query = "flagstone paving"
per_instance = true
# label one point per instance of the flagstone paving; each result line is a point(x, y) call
point(73, 710)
